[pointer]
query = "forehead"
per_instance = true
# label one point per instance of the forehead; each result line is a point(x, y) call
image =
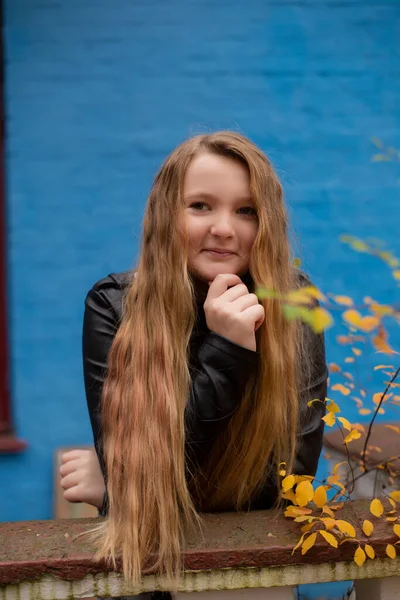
point(215, 174)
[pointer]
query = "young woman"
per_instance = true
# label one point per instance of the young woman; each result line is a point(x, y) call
point(196, 389)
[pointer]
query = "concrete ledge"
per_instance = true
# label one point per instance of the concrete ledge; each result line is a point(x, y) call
point(236, 551)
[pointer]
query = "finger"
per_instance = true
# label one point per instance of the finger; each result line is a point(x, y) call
point(245, 302)
point(70, 480)
point(221, 283)
point(72, 455)
point(73, 494)
point(235, 292)
point(69, 467)
point(254, 313)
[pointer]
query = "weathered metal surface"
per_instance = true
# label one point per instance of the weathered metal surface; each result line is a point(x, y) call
point(32, 550)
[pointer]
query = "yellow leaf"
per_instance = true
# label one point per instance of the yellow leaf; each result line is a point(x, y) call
point(352, 316)
point(303, 518)
point(346, 528)
point(396, 529)
point(343, 300)
point(295, 511)
point(332, 407)
point(353, 435)
point(328, 511)
point(376, 508)
point(345, 423)
point(391, 519)
point(392, 503)
point(367, 527)
point(329, 538)
point(314, 292)
point(338, 465)
point(298, 543)
point(282, 472)
point(320, 496)
point(359, 556)
point(338, 387)
point(396, 274)
point(383, 367)
point(304, 493)
point(391, 551)
point(296, 262)
point(349, 359)
point(307, 527)
point(289, 495)
point(288, 483)
point(329, 419)
point(364, 411)
point(370, 552)
point(337, 505)
point(309, 543)
point(320, 319)
point(356, 351)
point(311, 402)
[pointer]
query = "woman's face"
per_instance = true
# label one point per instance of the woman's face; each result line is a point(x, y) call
point(220, 217)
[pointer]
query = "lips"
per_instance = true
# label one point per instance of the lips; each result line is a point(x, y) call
point(219, 252)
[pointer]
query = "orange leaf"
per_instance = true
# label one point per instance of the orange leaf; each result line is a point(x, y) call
point(309, 543)
point(391, 551)
point(338, 387)
point(364, 411)
point(320, 496)
point(329, 538)
point(394, 428)
point(359, 556)
point(368, 324)
point(349, 359)
point(383, 367)
point(396, 529)
point(367, 527)
point(298, 543)
point(376, 508)
point(334, 368)
point(370, 552)
point(356, 351)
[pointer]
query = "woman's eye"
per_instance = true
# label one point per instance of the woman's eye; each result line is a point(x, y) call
point(248, 211)
point(198, 206)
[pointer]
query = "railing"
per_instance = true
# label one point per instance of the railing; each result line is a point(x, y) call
point(246, 555)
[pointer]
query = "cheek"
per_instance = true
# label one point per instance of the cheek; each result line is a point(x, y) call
point(195, 232)
point(250, 235)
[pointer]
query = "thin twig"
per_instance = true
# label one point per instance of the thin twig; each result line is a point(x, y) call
point(375, 415)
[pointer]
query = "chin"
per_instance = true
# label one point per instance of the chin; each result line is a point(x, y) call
point(210, 272)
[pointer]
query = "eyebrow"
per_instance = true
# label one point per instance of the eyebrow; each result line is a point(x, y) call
point(207, 196)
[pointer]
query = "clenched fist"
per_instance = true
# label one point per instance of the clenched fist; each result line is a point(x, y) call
point(232, 312)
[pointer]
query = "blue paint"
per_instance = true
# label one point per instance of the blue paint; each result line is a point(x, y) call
point(99, 92)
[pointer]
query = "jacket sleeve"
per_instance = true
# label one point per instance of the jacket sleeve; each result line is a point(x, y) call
point(311, 428)
point(217, 383)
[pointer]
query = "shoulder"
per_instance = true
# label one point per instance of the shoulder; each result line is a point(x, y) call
point(109, 292)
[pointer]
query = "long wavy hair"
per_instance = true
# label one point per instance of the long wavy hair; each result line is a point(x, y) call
point(153, 496)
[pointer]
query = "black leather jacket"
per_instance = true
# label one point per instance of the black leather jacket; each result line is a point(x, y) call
point(219, 373)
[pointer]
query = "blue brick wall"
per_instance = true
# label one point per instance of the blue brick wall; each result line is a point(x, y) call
point(99, 91)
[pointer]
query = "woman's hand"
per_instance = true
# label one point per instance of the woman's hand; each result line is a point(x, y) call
point(81, 477)
point(231, 311)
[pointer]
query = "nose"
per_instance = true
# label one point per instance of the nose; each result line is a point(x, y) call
point(222, 226)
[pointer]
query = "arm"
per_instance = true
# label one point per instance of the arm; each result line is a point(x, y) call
point(217, 382)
